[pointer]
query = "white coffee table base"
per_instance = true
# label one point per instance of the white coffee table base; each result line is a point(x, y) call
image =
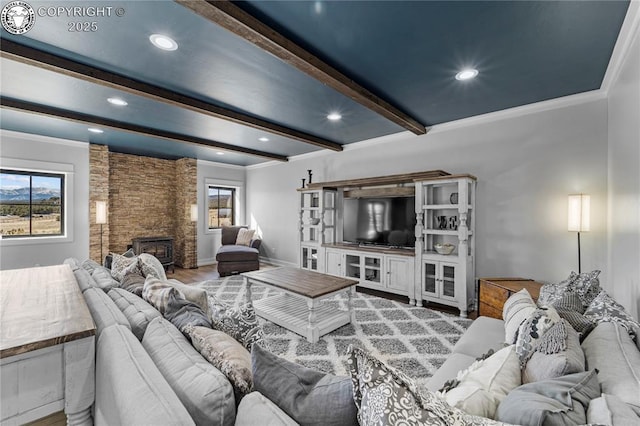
point(307, 317)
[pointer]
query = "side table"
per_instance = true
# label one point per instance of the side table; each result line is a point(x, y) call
point(493, 292)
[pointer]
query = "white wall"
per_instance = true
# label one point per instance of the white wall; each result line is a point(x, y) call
point(209, 241)
point(624, 182)
point(526, 166)
point(27, 253)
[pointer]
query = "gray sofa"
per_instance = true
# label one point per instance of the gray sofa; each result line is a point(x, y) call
point(608, 349)
point(147, 372)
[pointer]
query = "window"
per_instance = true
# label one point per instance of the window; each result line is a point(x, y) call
point(31, 204)
point(222, 206)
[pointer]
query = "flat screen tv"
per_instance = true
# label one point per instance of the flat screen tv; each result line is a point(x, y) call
point(380, 221)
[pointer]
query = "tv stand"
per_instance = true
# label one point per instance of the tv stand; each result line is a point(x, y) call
point(445, 214)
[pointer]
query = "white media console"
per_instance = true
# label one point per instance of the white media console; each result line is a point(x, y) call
point(444, 214)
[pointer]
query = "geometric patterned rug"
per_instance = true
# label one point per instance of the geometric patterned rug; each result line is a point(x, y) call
point(412, 339)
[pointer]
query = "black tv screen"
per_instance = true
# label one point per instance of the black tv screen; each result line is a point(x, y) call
point(380, 221)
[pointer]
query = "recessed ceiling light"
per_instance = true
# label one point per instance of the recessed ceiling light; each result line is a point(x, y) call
point(95, 130)
point(467, 74)
point(117, 101)
point(334, 116)
point(163, 42)
point(263, 139)
point(220, 153)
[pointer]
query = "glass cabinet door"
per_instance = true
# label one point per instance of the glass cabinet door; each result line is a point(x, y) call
point(372, 269)
point(352, 266)
point(430, 278)
point(309, 258)
point(448, 274)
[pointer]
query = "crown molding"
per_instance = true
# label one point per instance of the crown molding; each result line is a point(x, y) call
point(226, 165)
point(39, 138)
point(628, 33)
point(542, 106)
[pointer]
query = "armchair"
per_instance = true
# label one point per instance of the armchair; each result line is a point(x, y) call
point(234, 258)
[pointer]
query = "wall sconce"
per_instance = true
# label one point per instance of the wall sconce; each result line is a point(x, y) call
point(579, 218)
point(101, 219)
point(194, 219)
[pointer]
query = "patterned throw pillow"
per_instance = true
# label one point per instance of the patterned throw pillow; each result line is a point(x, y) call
point(158, 293)
point(240, 323)
point(518, 307)
point(151, 266)
point(121, 265)
point(587, 286)
point(226, 354)
point(570, 308)
point(549, 293)
point(134, 283)
point(385, 396)
point(604, 309)
point(532, 330)
point(244, 236)
point(570, 300)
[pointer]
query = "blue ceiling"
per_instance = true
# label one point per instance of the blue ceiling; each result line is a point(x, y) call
point(405, 52)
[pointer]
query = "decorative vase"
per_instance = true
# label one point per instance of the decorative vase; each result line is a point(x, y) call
point(303, 182)
point(310, 174)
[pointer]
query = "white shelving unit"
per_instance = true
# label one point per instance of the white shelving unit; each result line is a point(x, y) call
point(445, 214)
point(316, 225)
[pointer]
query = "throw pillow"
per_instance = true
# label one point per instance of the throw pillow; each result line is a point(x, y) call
point(560, 401)
point(308, 396)
point(549, 293)
point(226, 354)
point(570, 300)
point(542, 366)
point(610, 350)
point(385, 396)
point(188, 292)
point(516, 309)
point(485, 383)
point(578, 322)
point(151, 266)
point(532, 330)
point(240, 323)
point(587, 286)
point(133, 282)
point(244, 237)
point(120, 265)
point(158, 293)
point(604, 309)
point(182, 312)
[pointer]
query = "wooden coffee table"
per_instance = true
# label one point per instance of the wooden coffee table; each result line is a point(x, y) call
point(299, 307)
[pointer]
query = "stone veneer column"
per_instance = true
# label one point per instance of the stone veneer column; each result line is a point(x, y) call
point(186, 240)
point(98, 191)
point(142, 194)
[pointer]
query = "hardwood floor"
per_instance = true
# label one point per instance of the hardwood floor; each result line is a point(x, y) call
point(190, 276)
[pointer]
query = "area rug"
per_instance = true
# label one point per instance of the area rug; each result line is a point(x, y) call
point(412, 339)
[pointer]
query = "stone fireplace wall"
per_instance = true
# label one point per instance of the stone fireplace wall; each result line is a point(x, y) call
point(147, 197)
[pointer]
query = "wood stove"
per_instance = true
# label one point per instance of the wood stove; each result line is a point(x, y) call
point(160, 247)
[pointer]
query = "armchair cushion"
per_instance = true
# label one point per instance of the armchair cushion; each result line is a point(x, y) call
point(235, 253)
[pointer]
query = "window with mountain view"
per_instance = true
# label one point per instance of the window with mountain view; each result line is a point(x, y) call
point(31, 204)
point(222, 206)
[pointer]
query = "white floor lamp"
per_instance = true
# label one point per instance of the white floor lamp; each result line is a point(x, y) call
point(579, 217)
point(101, 219)
point(194, 219)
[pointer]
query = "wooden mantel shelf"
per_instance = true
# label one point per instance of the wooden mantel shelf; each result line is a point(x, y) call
point(379, 180)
